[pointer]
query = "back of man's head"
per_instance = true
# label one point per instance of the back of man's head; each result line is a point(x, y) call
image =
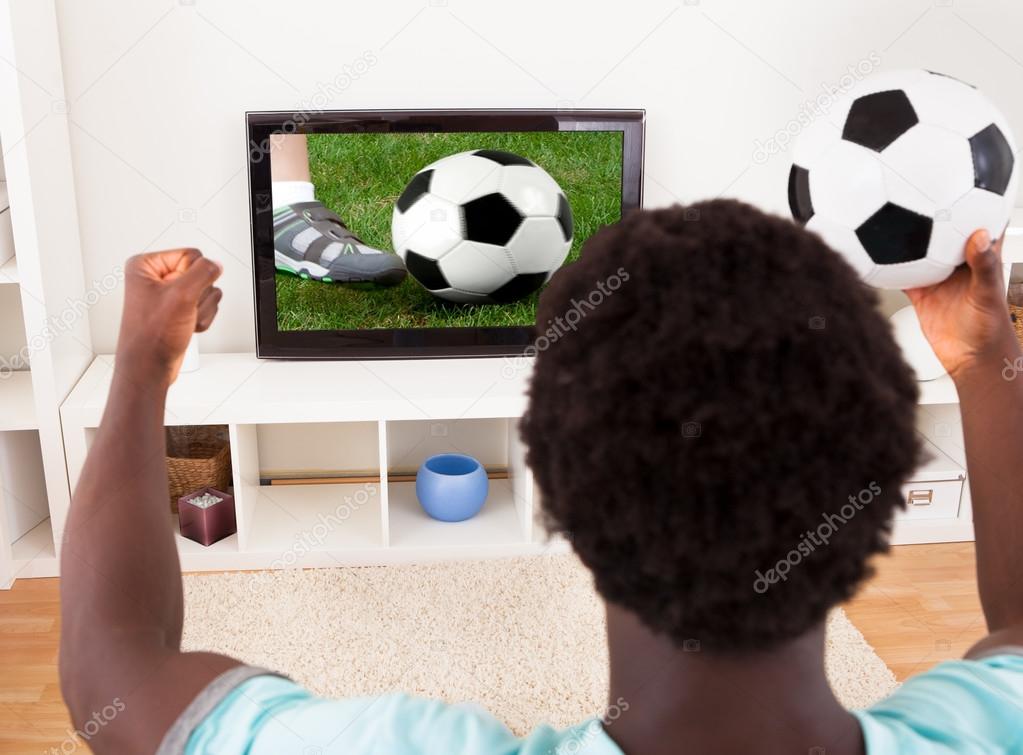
point(720, 421)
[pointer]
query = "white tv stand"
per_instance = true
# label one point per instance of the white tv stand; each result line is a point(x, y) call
point(380, 417)
point(386, 416)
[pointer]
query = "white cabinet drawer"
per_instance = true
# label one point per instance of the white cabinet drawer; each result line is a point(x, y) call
point(936, 488)
point(931, 499)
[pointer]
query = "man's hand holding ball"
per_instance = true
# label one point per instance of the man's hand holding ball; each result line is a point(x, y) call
point(965, 317)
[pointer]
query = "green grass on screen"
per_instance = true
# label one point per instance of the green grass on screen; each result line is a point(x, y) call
point(359, 176)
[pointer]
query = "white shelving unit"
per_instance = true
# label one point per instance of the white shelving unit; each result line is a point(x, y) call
point(44, 350)
point(387, 420)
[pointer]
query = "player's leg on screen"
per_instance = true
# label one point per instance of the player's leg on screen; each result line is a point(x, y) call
point(310, 240)
point(289, 170)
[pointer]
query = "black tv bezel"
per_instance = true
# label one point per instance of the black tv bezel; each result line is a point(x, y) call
point(410, 343)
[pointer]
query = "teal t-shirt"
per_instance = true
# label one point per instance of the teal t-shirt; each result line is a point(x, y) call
point(959, 707)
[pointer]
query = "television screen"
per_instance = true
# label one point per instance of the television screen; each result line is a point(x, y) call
point(425, 234)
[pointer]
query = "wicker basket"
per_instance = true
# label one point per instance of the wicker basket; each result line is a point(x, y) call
point(1015, 299)
point(197, 457)
point(1017, 321)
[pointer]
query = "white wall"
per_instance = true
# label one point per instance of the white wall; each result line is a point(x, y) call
point(156, 91)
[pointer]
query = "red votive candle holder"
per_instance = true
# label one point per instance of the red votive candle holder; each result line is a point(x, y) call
point(206, 525)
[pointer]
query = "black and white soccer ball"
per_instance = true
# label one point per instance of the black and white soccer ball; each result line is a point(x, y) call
point(482, 227)
point(901, 171)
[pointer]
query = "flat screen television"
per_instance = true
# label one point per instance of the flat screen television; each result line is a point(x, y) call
point(425, 233)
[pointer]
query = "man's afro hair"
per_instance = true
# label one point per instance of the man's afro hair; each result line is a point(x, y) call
point(712, 386)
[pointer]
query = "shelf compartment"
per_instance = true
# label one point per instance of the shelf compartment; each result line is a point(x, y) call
point(291, 520)
point(17, 403)
point(498, 523)
point(23, 500)
point(24, 506)
point(506, 517)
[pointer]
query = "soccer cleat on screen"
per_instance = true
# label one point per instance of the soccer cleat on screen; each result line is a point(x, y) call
point(312, 242)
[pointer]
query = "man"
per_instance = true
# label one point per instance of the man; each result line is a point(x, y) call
point(738, 390)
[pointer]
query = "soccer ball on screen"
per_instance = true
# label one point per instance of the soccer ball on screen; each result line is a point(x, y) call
point(482, 227)
point(901, 171)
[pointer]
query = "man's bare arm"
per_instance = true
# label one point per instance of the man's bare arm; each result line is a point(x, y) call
point(967, 321)
point(121, 595)
point(992, 414)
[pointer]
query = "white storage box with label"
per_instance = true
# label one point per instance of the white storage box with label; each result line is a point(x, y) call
point(936, 488)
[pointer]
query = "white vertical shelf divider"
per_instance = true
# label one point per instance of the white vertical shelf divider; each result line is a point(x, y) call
point(245, 467)
point(76, 448)
point(385, 517)
point(521, 479)
point(6, 556)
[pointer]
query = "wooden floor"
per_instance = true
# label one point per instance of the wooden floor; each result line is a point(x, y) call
point(919, 609)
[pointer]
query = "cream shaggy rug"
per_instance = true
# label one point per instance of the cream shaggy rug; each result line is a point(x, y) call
point(523, 637)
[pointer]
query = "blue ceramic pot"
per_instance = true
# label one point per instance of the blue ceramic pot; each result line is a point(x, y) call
point(452, 487)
